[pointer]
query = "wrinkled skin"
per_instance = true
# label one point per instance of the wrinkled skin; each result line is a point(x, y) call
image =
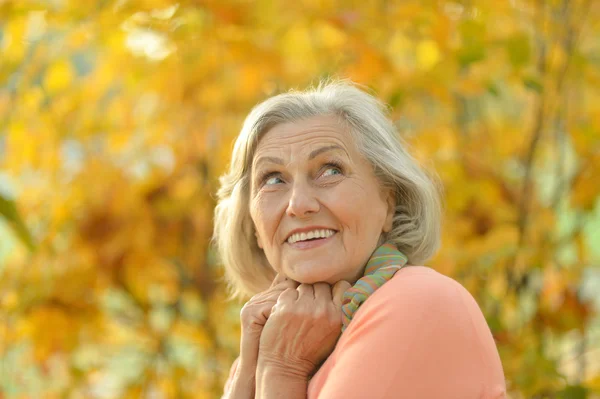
point(303, 327)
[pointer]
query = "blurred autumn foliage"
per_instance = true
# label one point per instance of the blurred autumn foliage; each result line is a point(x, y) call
point(117, 117)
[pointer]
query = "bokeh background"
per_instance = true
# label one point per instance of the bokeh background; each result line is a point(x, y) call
point(118, 116)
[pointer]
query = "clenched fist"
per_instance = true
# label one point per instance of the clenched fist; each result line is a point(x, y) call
point(303, 327)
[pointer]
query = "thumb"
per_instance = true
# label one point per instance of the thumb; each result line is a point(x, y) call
point(338, 292)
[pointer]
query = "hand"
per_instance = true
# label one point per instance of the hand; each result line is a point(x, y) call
point(254, 315)
point(303, 328)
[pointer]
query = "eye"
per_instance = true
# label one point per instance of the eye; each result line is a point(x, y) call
point(331, 169)
point(272, 179)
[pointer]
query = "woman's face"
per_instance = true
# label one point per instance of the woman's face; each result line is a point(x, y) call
point(317, 206)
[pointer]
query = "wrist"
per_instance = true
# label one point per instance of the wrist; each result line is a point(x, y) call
point(289, 368)
point(273, 380)
point(249, 351)
point(246, 369)
point(243, 383)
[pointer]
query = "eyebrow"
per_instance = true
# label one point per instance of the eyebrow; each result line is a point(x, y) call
point(276, 160)
point(321, 150)
point(312, 155)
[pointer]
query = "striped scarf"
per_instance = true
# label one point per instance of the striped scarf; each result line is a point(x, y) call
point(384, 263)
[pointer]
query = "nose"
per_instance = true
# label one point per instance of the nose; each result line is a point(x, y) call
point(303, 201)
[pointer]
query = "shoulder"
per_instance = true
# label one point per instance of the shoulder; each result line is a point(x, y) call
point(421, 297)
point(419, 285)
point(420, 304)
point(423, 320)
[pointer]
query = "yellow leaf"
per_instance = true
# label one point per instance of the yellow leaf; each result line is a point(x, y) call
point(497, 285)
point(59, 76)
point(428, 54)
point(331, 37)
point(9, 301)
point(369, 65)
point(586, 190)
point(118, 140)
point(21, 144)
point(14, 31)
point(298, 52)
point(32, 98)
point(167, 386)
point(470, 86)
point(250, 81)
point(400, 50)
point(52, 330)
point(151, 279)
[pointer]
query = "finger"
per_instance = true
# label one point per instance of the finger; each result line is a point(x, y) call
point(322, 292)
point(338, 292)
point(289, 295)
point(285, 284)
point(268, 308)
point(264, 306)
point(306, 291)
point(274, 309)
point(270, 302)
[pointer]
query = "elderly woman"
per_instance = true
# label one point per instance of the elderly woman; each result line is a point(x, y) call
point(323, 219)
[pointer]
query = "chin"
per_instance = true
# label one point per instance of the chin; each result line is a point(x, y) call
point(309, 280)
point(308, 277)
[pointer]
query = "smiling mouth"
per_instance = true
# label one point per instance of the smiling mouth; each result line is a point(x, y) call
point(314, 235)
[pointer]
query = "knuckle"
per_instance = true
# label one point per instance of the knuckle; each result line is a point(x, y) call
point(254, 298)
point(285, 284)
point(252, 306)
point(246, 310)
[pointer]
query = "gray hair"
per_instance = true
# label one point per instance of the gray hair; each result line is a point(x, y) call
point(416, 224)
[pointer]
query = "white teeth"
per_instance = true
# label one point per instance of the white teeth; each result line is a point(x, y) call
point(323, 233)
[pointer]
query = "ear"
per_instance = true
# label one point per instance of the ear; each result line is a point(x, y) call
point(258, 240)
point(391, 210)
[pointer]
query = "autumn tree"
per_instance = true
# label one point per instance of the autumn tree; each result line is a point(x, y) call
point(117, 117)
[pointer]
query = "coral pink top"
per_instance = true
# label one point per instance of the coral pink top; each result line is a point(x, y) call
point(420, 335)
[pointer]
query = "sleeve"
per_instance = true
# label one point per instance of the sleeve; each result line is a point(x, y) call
point(425, 337)
point(230, 378)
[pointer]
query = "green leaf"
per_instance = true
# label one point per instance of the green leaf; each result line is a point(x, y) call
point(573, 392)
point(493, 89)
point(473, 49)
point(519, 49)
point(533, 84)
point(397, 98)
point(8, 210)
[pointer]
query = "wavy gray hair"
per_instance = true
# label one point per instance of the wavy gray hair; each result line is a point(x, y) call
point(417, 219)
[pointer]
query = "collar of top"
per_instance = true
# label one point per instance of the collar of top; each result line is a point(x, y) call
point(381, 267)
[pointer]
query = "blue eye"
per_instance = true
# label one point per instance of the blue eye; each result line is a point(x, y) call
point(272, 180)
point(331, 171)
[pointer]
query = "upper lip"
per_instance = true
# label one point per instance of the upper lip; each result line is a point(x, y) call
point(307, 229)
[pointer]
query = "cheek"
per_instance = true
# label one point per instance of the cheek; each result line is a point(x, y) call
point(357, 206)
point(264, 215)
point(257, 215)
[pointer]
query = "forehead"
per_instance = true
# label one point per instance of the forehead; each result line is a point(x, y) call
point(305, 135)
